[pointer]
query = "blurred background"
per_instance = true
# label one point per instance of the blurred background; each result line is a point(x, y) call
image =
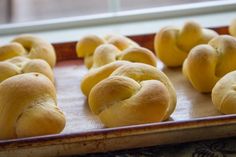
point(17, 11)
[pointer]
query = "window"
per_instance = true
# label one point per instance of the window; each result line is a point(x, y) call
point(16, 11)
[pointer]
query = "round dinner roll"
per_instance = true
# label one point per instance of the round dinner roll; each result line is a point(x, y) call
point(134, 93)
point(19, 65)
point(107, 53)
point(11, 50)
point(232, 28)
point(28, 107)
point(87, 46)
point(207, 63)
point(224, 94)
point(37, 48)
point(172, 44)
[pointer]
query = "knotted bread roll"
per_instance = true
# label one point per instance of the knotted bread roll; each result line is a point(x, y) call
point(29, 46)
point(232, 28)
point(28, 107)
point(207, 63)
point(121, 42)
point(172, 44)
point(19, 65)
point(96, 75)
point(124, 93)
point(133, 94)
point(224, 94)
point(87, 45)
point(107, 53)
point(11, 50)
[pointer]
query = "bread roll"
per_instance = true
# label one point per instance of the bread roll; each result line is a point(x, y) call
point(11, 50)
point(134, 93)
point(224, 94)
point(104, 54)
point(232, 28)
point(172, 44)
point(107, 53)
point(28, 107)
point(87, 45)
point(121, 42)
point(37, 48)
point(96, 75)
point(139, 54)
point(207, 63)
point(19, 65)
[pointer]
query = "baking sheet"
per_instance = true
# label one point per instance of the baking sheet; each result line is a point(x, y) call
point(190, 103)
point(195, 117)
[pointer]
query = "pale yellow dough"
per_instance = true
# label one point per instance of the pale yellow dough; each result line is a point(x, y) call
point(20, 65)
point(96, 75)
point(11, 50)
point(28, 107)
point(207, 63)
point(121, 42)
point(232, 28)
point(172, 44)
point(124, 93)
point(37, 48)
point(224, 94)
point(107, 53)
point(87, 46)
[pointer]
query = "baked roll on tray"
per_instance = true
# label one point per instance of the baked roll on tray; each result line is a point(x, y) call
point(123, 93)
point(28, 103)
point(207, 63)
point(172, 44)
point(29, 46)
point(87, 45)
